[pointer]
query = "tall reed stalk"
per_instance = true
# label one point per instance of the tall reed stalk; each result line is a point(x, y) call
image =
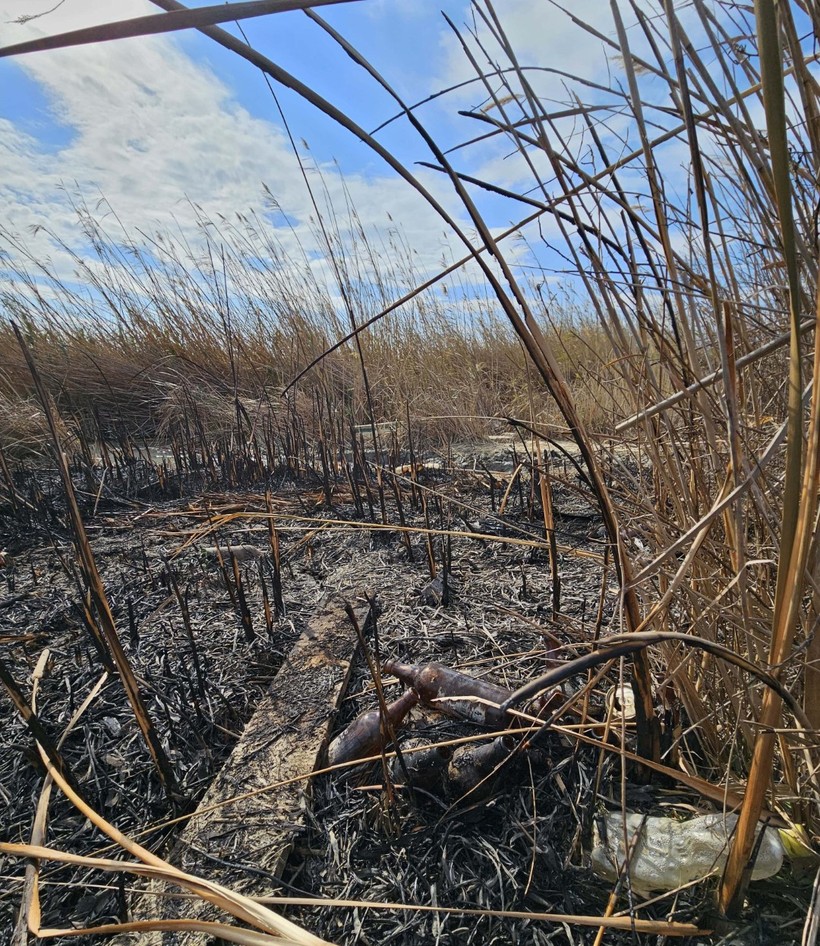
point(675, 399)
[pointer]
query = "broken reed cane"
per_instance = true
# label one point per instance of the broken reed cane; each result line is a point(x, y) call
point(800, 481)
point(515, 307)
point(98, 595)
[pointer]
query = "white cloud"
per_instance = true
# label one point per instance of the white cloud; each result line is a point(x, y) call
point(154, 132)
point(542, 35)
point(164, 140)
point(552, 48)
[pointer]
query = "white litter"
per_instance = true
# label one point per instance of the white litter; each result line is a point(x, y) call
point(242, 553)
point(666, 853)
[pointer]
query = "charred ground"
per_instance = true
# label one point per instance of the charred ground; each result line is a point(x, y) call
point(205, 647)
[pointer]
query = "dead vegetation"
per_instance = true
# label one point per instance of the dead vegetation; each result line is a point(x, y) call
point(661, 484)
point(167, 349)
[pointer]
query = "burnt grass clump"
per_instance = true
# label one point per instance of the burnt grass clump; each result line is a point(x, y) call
point(657, 278)
point(205, 640)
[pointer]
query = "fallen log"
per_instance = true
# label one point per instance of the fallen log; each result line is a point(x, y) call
point(244, 843)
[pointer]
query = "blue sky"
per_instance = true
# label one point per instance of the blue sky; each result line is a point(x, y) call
point(80, 115)
point(153, 132)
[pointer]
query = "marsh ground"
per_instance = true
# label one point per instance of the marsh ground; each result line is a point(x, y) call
point(521, 849)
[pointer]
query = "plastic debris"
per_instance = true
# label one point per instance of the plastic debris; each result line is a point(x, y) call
point(242, 553)
point(665, 853)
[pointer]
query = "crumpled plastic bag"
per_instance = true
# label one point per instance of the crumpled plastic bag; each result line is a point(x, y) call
point(670, 853)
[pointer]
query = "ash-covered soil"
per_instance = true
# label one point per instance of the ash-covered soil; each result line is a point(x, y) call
point(204, 650)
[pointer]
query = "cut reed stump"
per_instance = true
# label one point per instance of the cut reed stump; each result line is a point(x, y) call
point(245, 844)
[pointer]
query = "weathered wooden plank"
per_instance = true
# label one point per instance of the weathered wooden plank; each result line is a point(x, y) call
point(245, 844)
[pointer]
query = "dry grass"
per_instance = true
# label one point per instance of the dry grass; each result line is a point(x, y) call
point(160, 344)
point(684, 382)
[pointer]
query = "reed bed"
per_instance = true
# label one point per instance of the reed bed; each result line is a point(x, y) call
point(681, 381)
point(150, 343)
